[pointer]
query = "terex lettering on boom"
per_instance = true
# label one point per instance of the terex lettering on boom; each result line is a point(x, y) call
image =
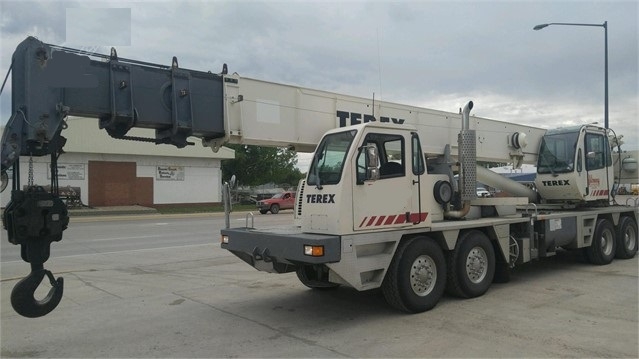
point(356, 119)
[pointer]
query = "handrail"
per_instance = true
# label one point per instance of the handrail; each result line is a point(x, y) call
point(252, 220)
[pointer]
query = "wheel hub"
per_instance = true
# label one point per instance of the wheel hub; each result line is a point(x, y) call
point(606, 242)
point(629, 238)
point(423, 275)
point(476, 265)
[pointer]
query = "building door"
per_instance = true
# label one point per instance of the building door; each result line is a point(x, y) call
point(116, 184)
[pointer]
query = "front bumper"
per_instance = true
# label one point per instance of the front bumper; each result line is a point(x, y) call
point(279, 251)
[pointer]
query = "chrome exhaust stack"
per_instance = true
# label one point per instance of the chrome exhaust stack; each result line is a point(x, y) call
point(467, 159)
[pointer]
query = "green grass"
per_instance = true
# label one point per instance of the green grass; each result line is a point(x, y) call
point(205, 209)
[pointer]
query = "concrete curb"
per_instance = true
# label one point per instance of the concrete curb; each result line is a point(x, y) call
point(106, 211)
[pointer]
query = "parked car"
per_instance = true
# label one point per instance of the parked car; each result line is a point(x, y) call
point(482, 192)
point(284, 200)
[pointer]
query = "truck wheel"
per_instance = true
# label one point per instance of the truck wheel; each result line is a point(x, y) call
point(602, 248)
point(315, 278)
point(626, 238)
point(471, 265)
point(416, 277)
point(263, 211)
point(275, 208)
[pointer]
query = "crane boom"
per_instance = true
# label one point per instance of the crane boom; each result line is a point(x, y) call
point(266, 113)
point(50, 83)
point(218, 108)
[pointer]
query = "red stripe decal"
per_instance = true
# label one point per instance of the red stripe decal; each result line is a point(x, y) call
point(401, 219)
point(421, 217)
point(392, 219)
point(600, 192)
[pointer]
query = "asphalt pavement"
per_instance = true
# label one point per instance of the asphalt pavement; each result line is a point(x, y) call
point(161, 286)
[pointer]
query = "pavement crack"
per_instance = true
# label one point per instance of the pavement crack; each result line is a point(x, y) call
point(279, 331)
point(89, 284)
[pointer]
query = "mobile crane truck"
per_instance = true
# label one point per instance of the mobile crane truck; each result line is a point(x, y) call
point(389, 200)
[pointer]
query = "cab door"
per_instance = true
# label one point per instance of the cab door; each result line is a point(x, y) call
point(598, 160)
point(386, 202)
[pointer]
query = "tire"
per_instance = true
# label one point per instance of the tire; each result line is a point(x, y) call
point(443, 192)
point(626, 238)
point(416, 277)
point(471, 265)
point(275, 208)
point(263, 211)
point(602, 248)
point(314, 277)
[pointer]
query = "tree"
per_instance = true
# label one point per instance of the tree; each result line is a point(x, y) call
point(255, 165)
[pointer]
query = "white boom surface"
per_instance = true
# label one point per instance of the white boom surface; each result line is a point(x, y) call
point(270, 114)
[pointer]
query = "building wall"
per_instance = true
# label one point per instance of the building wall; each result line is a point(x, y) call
point(191, 174)
point(201, 182)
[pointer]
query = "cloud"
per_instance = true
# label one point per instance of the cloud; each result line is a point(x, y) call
point(429, 53)
point(86, 26)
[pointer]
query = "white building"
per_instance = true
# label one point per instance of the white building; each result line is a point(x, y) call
point(111, 172)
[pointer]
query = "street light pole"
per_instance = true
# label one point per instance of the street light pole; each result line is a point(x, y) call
point(605, 26)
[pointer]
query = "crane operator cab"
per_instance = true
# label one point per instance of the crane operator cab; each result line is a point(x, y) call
point(575, 165)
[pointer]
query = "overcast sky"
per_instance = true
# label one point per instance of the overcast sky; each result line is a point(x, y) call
point(425, 53)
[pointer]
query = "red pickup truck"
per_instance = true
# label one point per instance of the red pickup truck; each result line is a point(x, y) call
point(284, 200)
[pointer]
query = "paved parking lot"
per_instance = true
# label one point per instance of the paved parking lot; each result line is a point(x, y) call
point(196, 300)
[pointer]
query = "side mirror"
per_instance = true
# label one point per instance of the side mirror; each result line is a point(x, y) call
point(4, 177)
point(232, 182)
point(579, 161)
point(372, 163)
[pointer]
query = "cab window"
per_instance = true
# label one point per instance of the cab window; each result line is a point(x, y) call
point(597, 152)
point(391, 149)
point(328, 161)
point(417, 155)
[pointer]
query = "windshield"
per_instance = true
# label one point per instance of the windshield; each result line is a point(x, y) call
point(329, 158)
point(557, 153)
point(279, 195)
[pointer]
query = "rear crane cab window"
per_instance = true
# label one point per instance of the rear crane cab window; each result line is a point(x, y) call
point(597, 152)
point(557, 153)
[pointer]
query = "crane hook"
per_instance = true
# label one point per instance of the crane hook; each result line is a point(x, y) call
point(22, 295)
